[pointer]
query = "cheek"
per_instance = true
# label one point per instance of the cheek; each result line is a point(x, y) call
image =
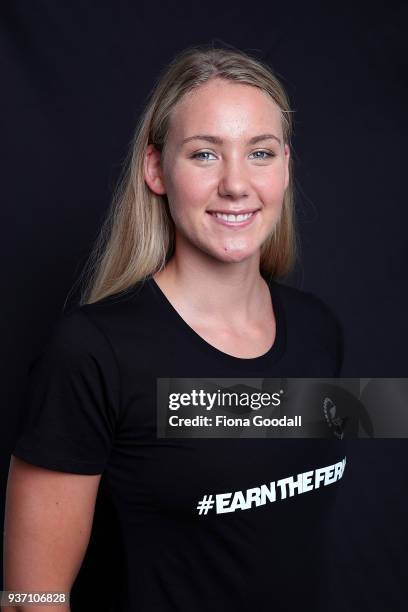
point(188, 190)
point(272, 186)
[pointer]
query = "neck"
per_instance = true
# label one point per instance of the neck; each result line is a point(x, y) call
point(232, 291)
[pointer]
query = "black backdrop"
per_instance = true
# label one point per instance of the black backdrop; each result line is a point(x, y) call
point(74, 78)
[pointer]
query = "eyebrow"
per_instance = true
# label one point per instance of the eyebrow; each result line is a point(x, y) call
point(217, 140)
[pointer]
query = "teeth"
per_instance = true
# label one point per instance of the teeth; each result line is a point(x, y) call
point(233, 218)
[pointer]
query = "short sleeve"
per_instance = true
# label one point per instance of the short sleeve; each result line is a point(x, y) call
point(71, 399)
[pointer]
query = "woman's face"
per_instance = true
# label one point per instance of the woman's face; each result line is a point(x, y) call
point(224, 156)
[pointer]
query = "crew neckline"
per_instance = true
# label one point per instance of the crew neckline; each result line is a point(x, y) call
point(272, 355)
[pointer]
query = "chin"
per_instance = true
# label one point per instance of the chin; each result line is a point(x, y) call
point(233, 250)
point(234, 256)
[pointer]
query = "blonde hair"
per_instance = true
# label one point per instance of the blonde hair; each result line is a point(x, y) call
point(137, 237)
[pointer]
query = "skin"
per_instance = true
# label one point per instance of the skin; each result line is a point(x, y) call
point(47, 526)
point(213, 279)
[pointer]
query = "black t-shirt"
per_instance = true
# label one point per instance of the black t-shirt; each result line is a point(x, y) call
point(92, 409)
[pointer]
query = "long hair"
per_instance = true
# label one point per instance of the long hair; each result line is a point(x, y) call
point(137, 237)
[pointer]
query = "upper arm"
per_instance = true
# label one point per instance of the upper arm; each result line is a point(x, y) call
point(71, 407)
point(48, 522)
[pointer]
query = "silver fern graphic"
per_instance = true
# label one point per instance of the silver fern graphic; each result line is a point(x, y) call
point(333, 420)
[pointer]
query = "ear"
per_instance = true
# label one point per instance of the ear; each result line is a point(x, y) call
point(153, 172)
point(287, 156)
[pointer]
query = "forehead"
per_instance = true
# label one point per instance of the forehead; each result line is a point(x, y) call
point(227, 109)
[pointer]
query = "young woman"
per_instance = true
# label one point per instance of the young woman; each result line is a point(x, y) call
point(183, 285)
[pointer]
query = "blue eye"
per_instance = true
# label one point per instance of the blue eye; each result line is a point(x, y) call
point(267, 153)
point(199, 155)
point(196, 155)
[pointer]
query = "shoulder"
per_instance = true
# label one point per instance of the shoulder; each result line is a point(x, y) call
point(99, 329)
point(135, 300)
point(74, 331)
point(75, 343)
point(304, 305)
point(93, 323)
point(310, 322)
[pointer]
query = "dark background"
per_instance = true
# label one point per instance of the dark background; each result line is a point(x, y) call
point(74, 79)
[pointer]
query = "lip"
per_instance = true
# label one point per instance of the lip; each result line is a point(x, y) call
point(234, 224)
point(234, 212)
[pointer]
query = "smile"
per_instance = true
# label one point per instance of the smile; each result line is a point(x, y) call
point(234, 220)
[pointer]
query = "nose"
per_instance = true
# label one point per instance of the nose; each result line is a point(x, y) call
point(234, 179)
